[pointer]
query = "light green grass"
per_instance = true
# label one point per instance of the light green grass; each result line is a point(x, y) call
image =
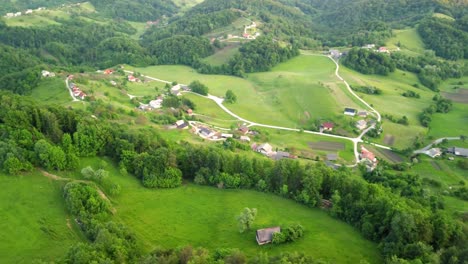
point(443, 16)
point(289, 95)
point(208, 111)
point(391, 102)
point(34, 220)
point(206, 216)
point(409, 41)
point(52, 90)
point(223, 55)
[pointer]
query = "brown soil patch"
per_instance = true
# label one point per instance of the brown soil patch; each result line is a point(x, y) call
point(389, 140)
point(390, 155)
point(327, 145)
point(461, 96)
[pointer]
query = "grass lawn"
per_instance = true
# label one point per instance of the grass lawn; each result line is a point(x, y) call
point(210, 112)
point(34, 220)
point(206, 216)
point(52, 90)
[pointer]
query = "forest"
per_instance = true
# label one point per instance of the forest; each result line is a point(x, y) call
point(410, 226)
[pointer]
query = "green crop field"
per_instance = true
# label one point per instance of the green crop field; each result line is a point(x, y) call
point(35, 224)
point(206, 216)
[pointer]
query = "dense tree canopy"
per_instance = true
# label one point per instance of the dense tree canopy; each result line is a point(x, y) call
point(369, 62)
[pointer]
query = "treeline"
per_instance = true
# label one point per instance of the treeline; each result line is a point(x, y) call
point(447, 38)
point(9, 6)
point(193, 25)
point(439, 105)
point(135, 10)
point(404, 228)
point(369, 62)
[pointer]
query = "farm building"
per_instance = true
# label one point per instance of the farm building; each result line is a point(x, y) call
point(265, 236)
point(362, 113)
point(227, 135)
point(462, 152)
point(434, 152)
point(205, 132)
point(265, 149)
point(244, 129)
point(181, 124)
point(327, 126)
point(350, 111)
point(156, 103)
point(175, 90)
point(245, 138)
point(189, 111)
point(361, 124)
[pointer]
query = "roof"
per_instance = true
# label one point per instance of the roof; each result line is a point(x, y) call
point(460, 151)
point(245, 138)
point(265, 235)
point(366, 154)
point(179, 122)
point(332, 156)
point(361, 122)
point(362, 113)
point(266, 147)
point(350, 110)
point(205, 131)
point(328, 125)
point(244, 129)
point(434, 152)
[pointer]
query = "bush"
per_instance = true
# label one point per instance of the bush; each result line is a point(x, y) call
point(288, 234)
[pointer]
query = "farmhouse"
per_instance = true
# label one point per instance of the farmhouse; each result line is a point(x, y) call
point(227, 135)
point(181, 124)
point(108, 71)
point(362, 113)
point(350, 111)
point(383, 50)
point(368, 46)
point(462, 152)
point(8, 15)
point(47, 74)
point(265, 149)
point(132, 78)
point(245, 138)
point(434, 152)
point(265, 236)
point(205, 132)
point(29, 11)
point(368, 158)
point(327, 126)
point(175, 90)
point(189, 111)
point(156, 103)
point(244, 129)
point(361, 124)
point(335, 53)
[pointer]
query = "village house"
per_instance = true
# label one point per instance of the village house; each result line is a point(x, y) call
point(434, 152)
point(244, 129)
point(227, 135)
point(181, 124)
point(9, 15)
point(28, 12)
point(156, 103)
point(327, 126)
point(335, 53)
point(145, 107)
point(350, 111)
point(108, 71)
point(189, 112)
point(205, 132)
point(265, 149)
point(362, 113)
point(462, 152)
point(368, 159)
point(383, 50)
point(245, 138)
point(17, 14)
point(265, 236)
point(132, 78)
point(175, 90)
point(368, 46)
point(361, 124)
point(47, 74)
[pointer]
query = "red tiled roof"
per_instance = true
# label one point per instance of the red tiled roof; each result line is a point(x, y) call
point(328, 125)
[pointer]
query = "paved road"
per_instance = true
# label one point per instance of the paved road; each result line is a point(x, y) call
point(219, 102)
point(437, 141)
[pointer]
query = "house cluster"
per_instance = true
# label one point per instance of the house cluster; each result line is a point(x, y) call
point(361, 124)
point(47, 74)
point(373, 47)
point(153, 104)
point(437, 152)
point(27, 12)
point(368, 159)
point(267, 150)
point(132, 78)
point(77, 92)
point(178, 89)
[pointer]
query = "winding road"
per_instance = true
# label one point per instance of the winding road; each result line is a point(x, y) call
point(356, 140)
point(435, 142)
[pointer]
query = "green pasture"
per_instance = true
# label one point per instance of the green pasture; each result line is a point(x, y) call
point(408, 40)
point(35, 224)
point(292, 94)
point(52, 91)
point(223, 55)
point(206, 216)
point(208, 111)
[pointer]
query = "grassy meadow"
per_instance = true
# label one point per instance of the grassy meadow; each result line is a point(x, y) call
point(407, 40)
point(206, 216)
point(291, 94)
point(35, 223)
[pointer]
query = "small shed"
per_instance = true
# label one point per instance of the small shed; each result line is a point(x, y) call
point(265, 236)
point(350, 111)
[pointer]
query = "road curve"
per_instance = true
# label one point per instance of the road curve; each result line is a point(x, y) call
point(437, 141)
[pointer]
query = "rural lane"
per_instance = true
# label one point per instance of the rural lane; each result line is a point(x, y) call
point(437, 141)
point(219, 102)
